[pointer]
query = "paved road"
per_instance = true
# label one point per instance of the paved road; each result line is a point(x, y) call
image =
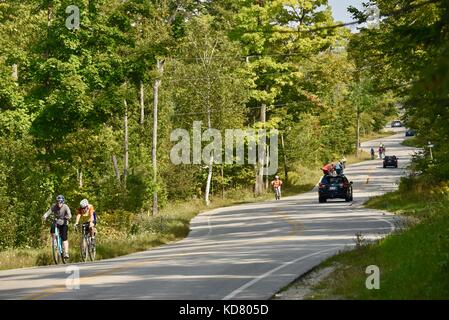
point(242, 252)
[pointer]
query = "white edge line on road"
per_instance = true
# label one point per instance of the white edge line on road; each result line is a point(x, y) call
point(255, 280)
point(392, 226)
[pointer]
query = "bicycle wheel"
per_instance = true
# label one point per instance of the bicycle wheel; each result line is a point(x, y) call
point(55, 250)
point(84, 248)
point(61, 251)
point(92, 249)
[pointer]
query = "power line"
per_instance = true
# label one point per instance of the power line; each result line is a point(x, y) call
point(227, 77)
point(335, 26)
point(246, 109)
point(243, 57)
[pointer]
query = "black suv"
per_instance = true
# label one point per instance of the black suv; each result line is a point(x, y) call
point(332, 187)
point(390, 161)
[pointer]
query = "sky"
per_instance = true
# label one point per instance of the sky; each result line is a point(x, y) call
point(339, 8)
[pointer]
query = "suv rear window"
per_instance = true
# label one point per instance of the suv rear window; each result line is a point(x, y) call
point(333, 180)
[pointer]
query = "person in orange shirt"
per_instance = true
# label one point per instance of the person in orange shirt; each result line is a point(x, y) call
point(87, 210)
point(276, 184)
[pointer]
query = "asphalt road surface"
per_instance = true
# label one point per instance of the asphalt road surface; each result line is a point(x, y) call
point(241, 252)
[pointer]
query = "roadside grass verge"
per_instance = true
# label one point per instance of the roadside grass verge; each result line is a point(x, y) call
point(376, 135)
point(412, 142)
point(363, 156)
point(413, 261)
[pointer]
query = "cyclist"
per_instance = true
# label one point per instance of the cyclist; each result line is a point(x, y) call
point(276, 184)
point(62, 214)
point(327, 169)
point(372, 153)
point(343, 162)
point(339, 168)
point(87, 210)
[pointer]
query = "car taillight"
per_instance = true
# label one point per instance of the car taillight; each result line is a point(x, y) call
point(322, 185)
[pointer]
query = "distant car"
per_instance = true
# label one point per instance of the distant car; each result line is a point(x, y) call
point(410, 133)
point(335, 187)
point(390, 161)
point(396, 124)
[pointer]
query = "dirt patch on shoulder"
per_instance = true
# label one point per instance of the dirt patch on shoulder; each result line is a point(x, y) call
point(303, 287)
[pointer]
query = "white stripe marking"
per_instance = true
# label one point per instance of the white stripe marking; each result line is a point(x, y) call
point(255, 280)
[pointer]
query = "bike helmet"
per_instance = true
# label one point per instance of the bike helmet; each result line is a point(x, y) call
point(60, 199)
point(276, 177)
point(84, 203)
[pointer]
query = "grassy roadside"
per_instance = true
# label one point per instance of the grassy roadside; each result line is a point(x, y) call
point(412, 142)
point(376, 135)
point(413, 262)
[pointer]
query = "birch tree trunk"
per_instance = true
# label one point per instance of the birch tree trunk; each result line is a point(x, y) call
point(285, 157)
point(126, 165)
point(117, 172)
point(157, 83)
point(142, 104)
point(358, 133)
point(211, 161)
point(80, 177)
point(259, 187)
point(222, 183)
point(15, 73)
point(267, 150)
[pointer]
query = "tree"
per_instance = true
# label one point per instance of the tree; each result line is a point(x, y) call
point(213, 90)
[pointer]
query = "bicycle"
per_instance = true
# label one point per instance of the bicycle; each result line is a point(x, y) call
point(57, 248)
point(87, 245)
point(277, 193)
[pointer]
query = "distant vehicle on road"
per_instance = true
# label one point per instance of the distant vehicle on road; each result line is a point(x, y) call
point(410, 133)
point(335, 187)
point(390, 161)
point(396, 124)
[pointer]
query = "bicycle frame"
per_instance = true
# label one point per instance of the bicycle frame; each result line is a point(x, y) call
point(277, 192)
point(86, 246)
point(58, 240)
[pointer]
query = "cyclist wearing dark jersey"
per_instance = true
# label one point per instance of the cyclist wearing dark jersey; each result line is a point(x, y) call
point(62, 215)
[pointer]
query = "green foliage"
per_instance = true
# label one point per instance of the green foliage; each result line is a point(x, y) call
point(407, 56)
point(62, 115)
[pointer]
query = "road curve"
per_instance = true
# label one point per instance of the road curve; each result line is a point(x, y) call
point(243, 252)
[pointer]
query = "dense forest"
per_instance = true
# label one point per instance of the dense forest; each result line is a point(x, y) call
point(87, 110)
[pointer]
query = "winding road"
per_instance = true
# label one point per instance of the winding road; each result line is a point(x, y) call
point(248, 251)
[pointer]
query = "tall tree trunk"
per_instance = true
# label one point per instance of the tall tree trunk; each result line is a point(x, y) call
point(222, 183)
point(157, 83)
point(285, 157)
point(15, 73)
point(80, 177)
point(117, 171)
point(358, 134)
point(267, 150)
point(142, 104)
point(211, 161)
point(126, 165)
point(259, 187)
